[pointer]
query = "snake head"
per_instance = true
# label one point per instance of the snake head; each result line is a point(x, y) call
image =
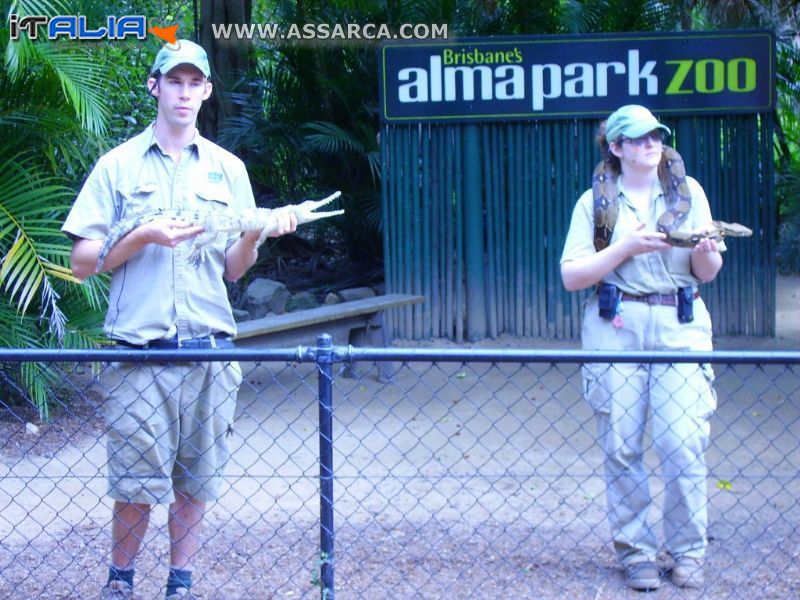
point(716, 230)
point(733, 229)
point(305, 210)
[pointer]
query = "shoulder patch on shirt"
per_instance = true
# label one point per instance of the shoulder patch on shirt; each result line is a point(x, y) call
point(214, 176)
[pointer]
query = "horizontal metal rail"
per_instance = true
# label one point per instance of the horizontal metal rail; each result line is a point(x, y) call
point(307, 354)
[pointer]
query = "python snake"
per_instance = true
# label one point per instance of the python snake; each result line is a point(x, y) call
point(672, 173)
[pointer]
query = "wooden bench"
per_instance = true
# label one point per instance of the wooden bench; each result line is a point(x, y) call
point(358, 322)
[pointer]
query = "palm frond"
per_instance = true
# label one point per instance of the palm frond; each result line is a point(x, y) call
point(28, 268)
point(20, 53)
point(32, 379)
point(83, 83)
point(581, 17)
point(42, 121)
point(330, 138)
point(53, 109)
point(374, 162)
point(81, 77)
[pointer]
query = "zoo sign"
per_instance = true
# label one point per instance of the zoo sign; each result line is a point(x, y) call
point(531, 77)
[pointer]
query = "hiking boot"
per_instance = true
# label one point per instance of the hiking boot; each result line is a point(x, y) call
point(182, 594)
point(688, 572)
point(643, 576)
point(116, 590)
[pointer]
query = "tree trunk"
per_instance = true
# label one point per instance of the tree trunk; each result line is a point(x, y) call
point(229, 59)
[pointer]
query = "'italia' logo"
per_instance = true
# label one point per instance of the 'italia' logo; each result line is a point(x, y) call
point(76, 27)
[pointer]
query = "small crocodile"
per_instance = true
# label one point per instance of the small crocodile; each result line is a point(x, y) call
point(717, 230)
point(216, 222)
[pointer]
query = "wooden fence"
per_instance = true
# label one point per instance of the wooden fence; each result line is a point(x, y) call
point(475, 217)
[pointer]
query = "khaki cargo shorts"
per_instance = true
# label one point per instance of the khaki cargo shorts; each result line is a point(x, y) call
point(168, 429)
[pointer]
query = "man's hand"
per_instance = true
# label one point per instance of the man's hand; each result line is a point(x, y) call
point(285, 221)
point(163, 232)
point(166, 232)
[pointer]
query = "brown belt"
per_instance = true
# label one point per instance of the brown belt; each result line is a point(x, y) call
point(216, 340)
point(656, 299)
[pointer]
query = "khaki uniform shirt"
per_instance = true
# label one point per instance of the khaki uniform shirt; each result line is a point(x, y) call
point(157, 293)
point(650, 273)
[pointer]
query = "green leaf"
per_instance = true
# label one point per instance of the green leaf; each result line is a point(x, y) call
point(724, 484)
point(54, 104)
point(331, 138)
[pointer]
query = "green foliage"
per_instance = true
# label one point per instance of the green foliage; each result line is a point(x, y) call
point(598, 16)
point(316, 574)
point(307, 122)
point(308, 118)
point(779, 16)
point(788, 195)
point(132, 108)
point(52, 113)
point(75, 70)
point(788, 85)
point(33, 259)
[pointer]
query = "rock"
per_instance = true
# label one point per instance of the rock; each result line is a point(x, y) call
point(356, 294)
point(263, 296)
point(240, 315)
point(301, 300)
point(332, 298)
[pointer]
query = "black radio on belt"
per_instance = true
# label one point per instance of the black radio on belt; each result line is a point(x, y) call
point(685, 304)
point(607, 300)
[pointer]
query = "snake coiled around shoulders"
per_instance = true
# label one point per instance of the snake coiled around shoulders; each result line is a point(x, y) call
point(671, 172)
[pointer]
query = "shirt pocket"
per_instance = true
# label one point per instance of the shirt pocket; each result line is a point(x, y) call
point(136, 199)
point(212, 199)
point(678, 261)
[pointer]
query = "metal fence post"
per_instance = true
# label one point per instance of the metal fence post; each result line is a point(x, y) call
point(325, 374)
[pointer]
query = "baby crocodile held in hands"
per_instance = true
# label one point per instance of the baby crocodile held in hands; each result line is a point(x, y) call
point(216, 222)
point(716, 231)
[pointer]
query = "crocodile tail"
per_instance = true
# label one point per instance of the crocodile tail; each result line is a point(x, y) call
point(120, 230)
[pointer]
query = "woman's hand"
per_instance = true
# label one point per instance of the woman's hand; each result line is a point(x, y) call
point(589, 270)
point(705, 245)
point(706, 259)
point(638, 241)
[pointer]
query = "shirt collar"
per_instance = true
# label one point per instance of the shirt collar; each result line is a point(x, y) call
point(146, 140)
point(655, 191)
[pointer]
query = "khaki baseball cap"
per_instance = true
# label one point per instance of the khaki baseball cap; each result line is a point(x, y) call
point(632, 121)
point(183, 52)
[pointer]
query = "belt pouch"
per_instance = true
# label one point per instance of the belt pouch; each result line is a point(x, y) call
point(685, 305)
point(608, 300)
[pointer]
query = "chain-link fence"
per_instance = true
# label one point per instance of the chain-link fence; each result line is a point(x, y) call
point(423, 473)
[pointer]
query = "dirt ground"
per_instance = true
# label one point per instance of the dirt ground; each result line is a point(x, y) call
point(470, 481)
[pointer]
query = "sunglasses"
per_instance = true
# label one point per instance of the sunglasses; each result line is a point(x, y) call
point(657, 135)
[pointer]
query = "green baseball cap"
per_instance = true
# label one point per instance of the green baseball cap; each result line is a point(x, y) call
point(632, 121)
point(183, 52)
